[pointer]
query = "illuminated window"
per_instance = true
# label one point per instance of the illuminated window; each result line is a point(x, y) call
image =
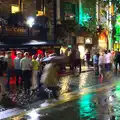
point(15, 8)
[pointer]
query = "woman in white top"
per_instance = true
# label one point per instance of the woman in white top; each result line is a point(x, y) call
point(108, 60)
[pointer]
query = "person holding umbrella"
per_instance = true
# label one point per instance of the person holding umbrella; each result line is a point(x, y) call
point(49, 78)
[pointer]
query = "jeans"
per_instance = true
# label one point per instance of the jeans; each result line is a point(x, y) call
point(18, 74)
point(26, 77)
point(108, 66)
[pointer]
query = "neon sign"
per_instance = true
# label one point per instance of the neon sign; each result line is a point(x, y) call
point(117, 27)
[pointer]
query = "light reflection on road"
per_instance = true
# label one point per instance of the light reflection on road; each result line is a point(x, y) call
point(103, 105)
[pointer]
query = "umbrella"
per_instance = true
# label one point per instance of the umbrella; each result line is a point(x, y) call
point(48, 59)
point(61, 59)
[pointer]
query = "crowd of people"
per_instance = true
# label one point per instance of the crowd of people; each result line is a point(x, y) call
point(106, 61)
point(25, 69)
point(30, 72)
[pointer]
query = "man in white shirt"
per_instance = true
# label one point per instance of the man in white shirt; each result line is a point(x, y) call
point(26, 65)
point(18, 71)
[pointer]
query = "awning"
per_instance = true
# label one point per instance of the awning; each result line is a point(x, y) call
point(28, 45)
point(39, 43)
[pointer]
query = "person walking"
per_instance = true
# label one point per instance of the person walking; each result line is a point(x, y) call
point(117, 60)
point(49, 78)
point(26, 65)
point(101, 66)
point(72, 58)
point(35, 69)
point(88, 58)
point(95, 63)
point(78, 60)
point(18, 71)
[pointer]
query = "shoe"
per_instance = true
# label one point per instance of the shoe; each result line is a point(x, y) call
point(45, 104)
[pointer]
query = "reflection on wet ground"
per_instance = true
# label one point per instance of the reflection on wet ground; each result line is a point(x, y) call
point(85, 80)
point(102, 105)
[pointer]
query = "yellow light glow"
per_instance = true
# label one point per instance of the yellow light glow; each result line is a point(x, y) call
point(81, 48)
point(15, 9)
point(40, 13)
point(63, 49)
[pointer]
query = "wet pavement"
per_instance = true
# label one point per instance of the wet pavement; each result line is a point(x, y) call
point(100, 105)
point(82, 98)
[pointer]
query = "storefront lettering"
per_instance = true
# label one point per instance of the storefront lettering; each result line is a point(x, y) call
point(22, 31)
point(15, 29)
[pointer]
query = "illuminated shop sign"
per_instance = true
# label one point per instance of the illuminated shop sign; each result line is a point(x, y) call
point(13, 31)
point(19, 31)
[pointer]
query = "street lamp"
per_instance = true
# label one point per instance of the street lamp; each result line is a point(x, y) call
point(30, 21)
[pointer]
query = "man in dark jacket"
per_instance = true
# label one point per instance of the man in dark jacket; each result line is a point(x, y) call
point(117, 60)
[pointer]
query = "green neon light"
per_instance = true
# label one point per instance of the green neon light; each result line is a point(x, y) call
point(117, 38)
point(118, 30)
point(80, 14)
point(117, 27)
point(118, 20)
point(86, 18)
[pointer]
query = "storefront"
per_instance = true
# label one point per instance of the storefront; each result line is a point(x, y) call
point(32, 40)
point(103, 40)
point(84, 43)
